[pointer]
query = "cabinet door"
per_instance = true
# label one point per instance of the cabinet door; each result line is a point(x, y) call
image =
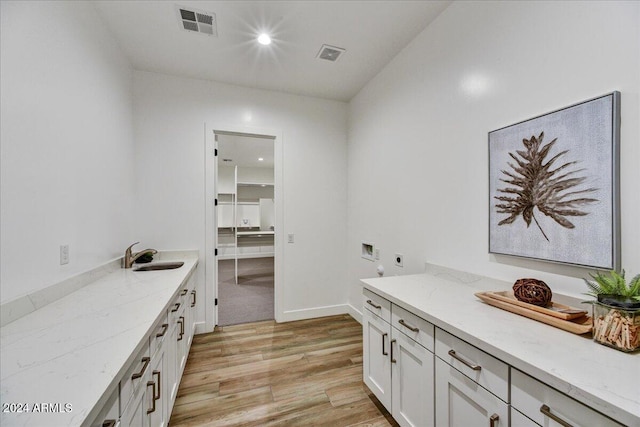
point(461, 402)
point(375, 359)
point(412, 382)
point(158, 401)
point(135, 414)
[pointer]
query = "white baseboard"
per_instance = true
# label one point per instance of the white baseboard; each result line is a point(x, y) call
point(355, 313)
point(311, 313)
point(201, 328)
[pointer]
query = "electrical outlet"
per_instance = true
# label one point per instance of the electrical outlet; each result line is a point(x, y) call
point(377, 253)
point(64, 254)
point(398, 259)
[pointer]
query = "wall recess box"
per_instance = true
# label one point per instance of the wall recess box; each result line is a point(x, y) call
point(368, 251)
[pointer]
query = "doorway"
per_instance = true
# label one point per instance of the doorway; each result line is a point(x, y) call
point(246, 228)
point(243, 226)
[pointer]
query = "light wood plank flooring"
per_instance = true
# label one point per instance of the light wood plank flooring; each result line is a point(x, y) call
point(305, 373)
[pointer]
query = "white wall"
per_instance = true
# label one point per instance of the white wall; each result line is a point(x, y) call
point(66, 144)
point(417, 157)
point(170, 120)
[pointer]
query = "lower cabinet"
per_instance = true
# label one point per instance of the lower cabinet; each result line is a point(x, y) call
point(148, 390)
point(536, 404)
point(456, 384)
point(461, 402)
point(411, 381)
point(398, 370)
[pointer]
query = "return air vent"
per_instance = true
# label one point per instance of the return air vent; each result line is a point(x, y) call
point(197, 21)
point(330, 53)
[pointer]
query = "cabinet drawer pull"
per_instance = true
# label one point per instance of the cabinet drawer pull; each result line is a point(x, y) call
point(181, 321)
point(406, 325)
point(153, 401)
point(164, 330)
point(175, 307)
point(492, 420)
point(384, 352)
point(109, 423)
point(475, 367)
point(137, 375)
point(193, 303)
point(547, 411)
point(159, 382)
point(373, 305)
point(392, 359)
point(184, 292)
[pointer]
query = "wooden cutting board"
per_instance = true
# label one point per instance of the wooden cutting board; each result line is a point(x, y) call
point(554, 309)
point(580, 325)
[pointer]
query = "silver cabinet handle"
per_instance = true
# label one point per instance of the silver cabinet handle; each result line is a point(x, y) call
point(493, 419)
point(384, 353)
point(146, 361)
point(406, 325)
point(193, 303)
point(392, 359)
point(475, 367)
point(547, 411)
point(184, 292)
point(175, 307)
point(373, 305)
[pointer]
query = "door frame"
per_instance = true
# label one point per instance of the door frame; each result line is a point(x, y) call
point(211, 219)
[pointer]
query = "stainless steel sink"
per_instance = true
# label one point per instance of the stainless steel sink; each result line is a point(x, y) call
point(160, 266)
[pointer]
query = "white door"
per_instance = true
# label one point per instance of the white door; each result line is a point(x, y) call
point(461, 402)
point(376, 361)
point(412, 378)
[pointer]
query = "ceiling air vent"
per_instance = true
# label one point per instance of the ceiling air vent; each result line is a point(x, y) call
point(330, 53)
point(197, 21)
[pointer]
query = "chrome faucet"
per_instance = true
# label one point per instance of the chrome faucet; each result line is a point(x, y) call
point(130, 258)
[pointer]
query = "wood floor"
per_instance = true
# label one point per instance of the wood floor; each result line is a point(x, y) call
point(305, 373)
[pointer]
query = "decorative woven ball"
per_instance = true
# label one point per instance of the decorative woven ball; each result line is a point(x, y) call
point(532, 291)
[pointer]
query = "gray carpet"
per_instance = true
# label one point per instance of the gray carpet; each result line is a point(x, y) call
point(251, 299)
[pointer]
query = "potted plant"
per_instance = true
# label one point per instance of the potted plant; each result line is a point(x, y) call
point(616, 311)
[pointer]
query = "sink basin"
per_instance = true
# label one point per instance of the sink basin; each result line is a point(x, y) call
point(160, 266)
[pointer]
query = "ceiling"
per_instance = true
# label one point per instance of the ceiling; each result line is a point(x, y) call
point(245, 150)
point(372, 32)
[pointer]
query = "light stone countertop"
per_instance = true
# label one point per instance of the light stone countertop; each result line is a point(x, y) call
point(73, 350)
point(601, 377)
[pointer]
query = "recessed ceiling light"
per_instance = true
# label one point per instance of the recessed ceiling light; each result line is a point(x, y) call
point(260, 159)
point(264, 39)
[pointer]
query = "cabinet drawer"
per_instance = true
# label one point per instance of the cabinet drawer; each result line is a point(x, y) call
point(537, 400)
point(481, 367)
point(519, 420)
point(377, 305)
point(110, 413)
point(413, 326)
point(158, 334)
point(133, 377)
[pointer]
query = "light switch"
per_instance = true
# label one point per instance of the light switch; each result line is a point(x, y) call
point(290, 238)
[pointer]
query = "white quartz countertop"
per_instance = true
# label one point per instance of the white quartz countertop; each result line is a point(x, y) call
point(601, 377)
point(71, 352)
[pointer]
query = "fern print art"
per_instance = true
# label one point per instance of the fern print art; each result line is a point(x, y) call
point(536, 184)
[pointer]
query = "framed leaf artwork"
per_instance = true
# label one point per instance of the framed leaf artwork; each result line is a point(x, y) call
point(554, 186)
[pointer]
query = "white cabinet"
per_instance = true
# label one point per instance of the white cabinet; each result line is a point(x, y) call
point(472, 387)
point(412, 393)
point(461, 402)
point(110, 414)
point(397, 368)
point(539, 404)
point(375, 358)
point(148, 389)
